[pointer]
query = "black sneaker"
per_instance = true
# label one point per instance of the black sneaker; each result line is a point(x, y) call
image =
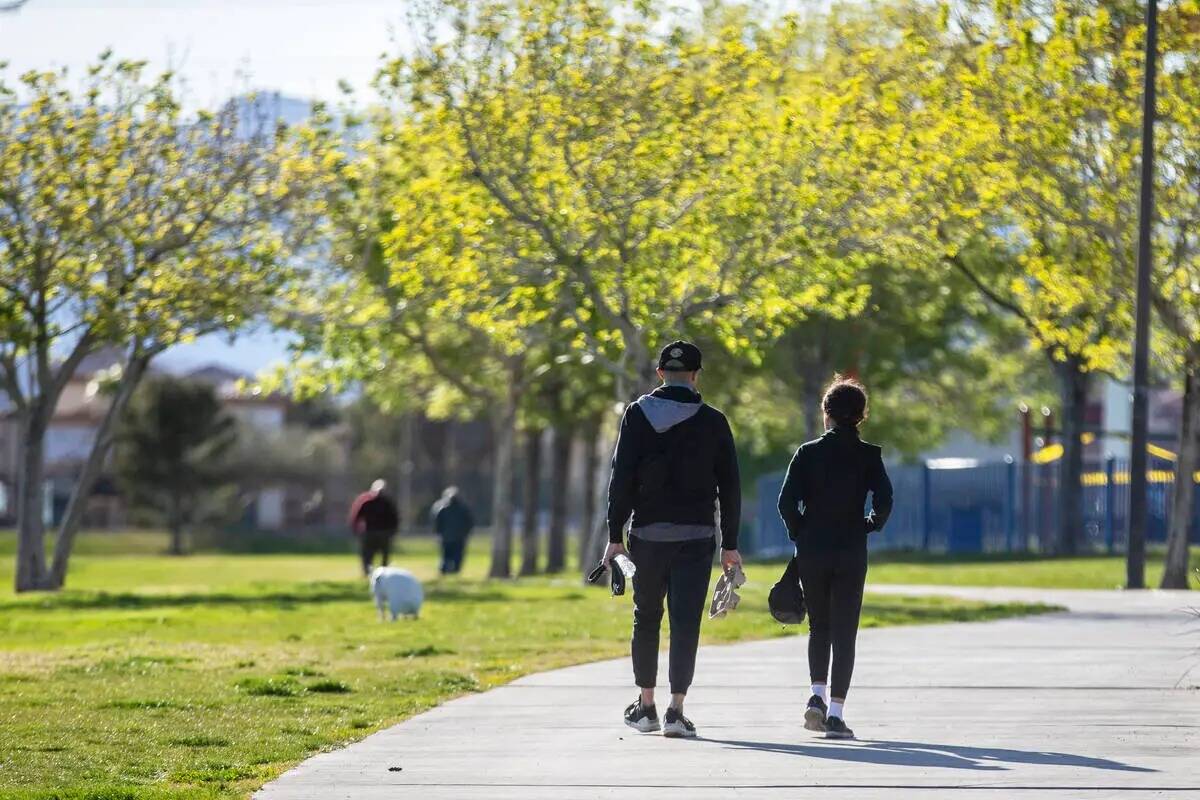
point(835, 728)
point(677, 726)
point(641, 718)
point(814, 715)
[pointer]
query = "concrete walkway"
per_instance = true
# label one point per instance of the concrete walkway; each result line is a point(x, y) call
point(1076, 704)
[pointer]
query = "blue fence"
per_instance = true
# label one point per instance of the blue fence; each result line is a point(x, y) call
point(994, 508)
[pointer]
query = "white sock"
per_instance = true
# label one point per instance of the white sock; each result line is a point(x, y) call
point(819, 690)
point(835, 709)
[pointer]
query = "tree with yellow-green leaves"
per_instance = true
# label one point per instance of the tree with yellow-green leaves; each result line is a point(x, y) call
point(1176, 298)
point(1042, 102)
point(655, 168)
point(127, 223)
point(895, 144)
point(561, 182)
point(430, 305)
point(1047, 232)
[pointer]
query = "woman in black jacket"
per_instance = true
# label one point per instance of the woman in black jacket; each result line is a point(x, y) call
point(822, 504)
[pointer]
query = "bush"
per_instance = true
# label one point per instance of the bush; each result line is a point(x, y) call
point(270, 687)
point(329, 687)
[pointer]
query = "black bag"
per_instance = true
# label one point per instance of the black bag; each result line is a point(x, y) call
point(787, 596)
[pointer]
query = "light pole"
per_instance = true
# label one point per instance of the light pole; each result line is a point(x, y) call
point(1135, 559)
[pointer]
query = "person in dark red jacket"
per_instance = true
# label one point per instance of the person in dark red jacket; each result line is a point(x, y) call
point(374, 520)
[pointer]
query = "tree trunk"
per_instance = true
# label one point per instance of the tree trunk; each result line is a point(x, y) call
point(451, 454)
point(175, 523)
point(1074, 383)
point(814, 372)
point(504, 424)
point(814, 416)
point(640, 369)
point(591, 465)
point(406, 467)
point(531, 487)
point(1175, 571)
point(131, 377)
point(31, 543)
point(439, 457)
point(560, 485)
point(605, 444)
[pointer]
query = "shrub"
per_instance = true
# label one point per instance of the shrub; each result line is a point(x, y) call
point(270, 687)
point(329, 687)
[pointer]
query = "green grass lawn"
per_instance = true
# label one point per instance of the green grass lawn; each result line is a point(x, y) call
point(1085, 572)
point(208, 675)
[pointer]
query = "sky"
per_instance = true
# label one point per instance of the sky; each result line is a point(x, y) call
point(301, 48)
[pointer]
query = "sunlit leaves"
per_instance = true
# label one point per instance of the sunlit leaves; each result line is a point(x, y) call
point(124, 218)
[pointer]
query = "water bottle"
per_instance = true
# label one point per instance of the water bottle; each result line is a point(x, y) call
point(625, 564)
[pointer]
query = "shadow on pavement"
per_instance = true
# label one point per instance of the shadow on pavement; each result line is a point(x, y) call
point(921, 754)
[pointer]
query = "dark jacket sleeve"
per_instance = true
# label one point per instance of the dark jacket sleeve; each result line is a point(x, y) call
point(729, 486)
point(622, 483)
point(391, 516)
point(881, 493)
point(790, 496)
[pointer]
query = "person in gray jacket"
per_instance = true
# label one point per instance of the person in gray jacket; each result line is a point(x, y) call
point(674, 462)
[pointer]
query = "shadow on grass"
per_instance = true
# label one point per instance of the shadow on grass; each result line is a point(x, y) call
point(315, 593)
point(932, 756)
point(953, 613)
point(922, 558)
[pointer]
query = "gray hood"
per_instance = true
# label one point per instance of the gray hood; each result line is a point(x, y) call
point(664, 414)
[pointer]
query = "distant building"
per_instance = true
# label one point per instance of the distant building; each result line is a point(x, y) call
point(69, 438)
point(1108, 417)
point(266, 414)
point(77, 420)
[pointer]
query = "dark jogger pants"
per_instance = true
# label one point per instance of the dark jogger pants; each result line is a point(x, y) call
point(833, 591)
point(452, 555)
point(372, 542)
point(678, 571)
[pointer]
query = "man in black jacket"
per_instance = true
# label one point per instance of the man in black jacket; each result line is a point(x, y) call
point(452, 521)
point(830, 478)
point(674, 462)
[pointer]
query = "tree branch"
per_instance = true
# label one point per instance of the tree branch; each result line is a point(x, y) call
point(1009, 306)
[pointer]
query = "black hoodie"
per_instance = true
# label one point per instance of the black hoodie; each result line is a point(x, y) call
point(674, 458)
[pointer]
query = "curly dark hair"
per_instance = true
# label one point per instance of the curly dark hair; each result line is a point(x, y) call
point(845, 401)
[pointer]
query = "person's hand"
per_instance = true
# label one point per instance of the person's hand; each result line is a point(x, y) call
point(613, 550)
point(729, 558)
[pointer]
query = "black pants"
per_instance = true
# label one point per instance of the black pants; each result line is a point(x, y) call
point(833, 590)
point(678, 571)
point(452, 555)
point(372, 542)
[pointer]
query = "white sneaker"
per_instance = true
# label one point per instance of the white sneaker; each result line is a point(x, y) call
point(677, 726)
point(641, 718)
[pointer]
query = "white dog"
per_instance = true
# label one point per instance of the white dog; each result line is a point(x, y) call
point(398, 589)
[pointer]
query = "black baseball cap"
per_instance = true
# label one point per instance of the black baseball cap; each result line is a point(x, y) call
point(679, 356)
